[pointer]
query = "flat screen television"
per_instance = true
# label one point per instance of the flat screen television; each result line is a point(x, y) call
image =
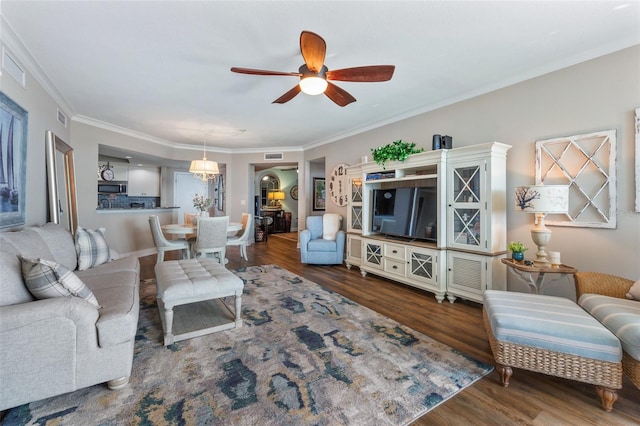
point(406, 212)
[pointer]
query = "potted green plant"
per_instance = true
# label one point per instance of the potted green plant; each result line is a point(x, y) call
point(397, 150)
point(517, 250)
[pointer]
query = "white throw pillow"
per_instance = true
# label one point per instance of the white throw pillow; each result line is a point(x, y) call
point(634, 291)
point(91, 247)
point(46, 279)
point(330, 226)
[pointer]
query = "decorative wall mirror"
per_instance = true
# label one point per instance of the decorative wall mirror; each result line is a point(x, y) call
point(268, 183)
point(61, 182)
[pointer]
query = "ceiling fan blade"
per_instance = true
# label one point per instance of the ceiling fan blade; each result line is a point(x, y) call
point(338, 95)
point(288, 96)
point(363, 74)
point(263, 72)
point(313, 48)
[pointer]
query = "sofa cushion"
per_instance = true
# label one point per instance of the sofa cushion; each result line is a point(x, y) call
point(91, 247)
point(12, 288)
point(27, 243)
point(60, 242)
point(621, 316)
point(322, 245)
point(124, 264)
point(47, 279)
point(118, 320)
point(551, 323)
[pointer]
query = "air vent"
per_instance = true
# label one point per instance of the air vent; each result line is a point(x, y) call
point(273, 156)
point(62, 119)
point(12, 67)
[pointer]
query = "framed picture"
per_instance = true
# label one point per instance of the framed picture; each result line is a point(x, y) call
point(13, 160)
point(319, 194)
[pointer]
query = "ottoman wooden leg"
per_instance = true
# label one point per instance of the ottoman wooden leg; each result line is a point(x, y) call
point(607, 397)
point(505, 374)
point(168, 332)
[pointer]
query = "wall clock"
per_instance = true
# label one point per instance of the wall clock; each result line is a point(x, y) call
point(337, 185)
point(294, 192)
point(106, 172)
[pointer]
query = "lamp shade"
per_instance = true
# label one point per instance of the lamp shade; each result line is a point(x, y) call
point(313, 85)
point(204, 169)
point(276, 195)
point(542, 199)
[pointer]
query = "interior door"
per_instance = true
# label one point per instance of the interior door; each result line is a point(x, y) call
point(185, 187)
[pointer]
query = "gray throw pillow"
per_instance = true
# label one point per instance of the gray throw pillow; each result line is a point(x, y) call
point(91, 247)
point(46, 279)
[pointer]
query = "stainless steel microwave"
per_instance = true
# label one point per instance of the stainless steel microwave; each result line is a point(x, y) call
point(113, 187)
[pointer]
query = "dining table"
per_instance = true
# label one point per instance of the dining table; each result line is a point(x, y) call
point(181, 229)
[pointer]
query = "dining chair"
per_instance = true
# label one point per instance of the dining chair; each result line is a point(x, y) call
point(211, 237)
point(189, 220)
point(242, 237)
point(161, 242)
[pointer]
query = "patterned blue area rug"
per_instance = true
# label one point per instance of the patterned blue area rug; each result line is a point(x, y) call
point(304, 356)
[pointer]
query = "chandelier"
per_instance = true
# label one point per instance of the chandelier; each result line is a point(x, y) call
point(204, 169)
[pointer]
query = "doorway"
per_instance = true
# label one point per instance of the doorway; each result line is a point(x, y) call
point(185, 187)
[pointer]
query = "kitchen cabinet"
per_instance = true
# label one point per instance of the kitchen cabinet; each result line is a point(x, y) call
point(144, 181)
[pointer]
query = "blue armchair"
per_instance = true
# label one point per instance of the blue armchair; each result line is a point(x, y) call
point(315, 249)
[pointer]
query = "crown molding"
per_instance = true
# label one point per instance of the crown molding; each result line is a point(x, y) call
point(16, 46)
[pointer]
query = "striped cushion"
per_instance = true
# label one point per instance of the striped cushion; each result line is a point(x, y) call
point(551, 323)
point(46, 279)
point(91, 247)
point(621, 316)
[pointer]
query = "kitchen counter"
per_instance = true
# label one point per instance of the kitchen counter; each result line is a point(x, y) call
point(135, 209)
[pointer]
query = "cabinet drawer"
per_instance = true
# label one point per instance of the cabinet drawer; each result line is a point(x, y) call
point(393, 266)
point(394, 251)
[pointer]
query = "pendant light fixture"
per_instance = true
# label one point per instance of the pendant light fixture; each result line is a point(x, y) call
point(204, 169)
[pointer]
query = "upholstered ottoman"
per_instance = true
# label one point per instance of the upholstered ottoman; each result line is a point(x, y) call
point(554, 336)
point(194, 289)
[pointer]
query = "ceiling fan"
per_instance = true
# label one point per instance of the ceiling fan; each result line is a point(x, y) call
point(315, 76)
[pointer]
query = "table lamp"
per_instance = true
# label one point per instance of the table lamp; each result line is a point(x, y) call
point(542, 199)
point(276, 197)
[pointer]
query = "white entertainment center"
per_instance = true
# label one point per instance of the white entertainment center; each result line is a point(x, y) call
point(459, 254)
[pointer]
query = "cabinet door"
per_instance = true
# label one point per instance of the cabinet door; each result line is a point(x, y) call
point(466, 213)
point(426, 269)
point(144, 182)
point(373, 254)
point(466, 275)
point(354, 211)
point(354, 250)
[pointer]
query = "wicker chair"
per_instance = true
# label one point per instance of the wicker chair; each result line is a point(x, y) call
point(613, 286)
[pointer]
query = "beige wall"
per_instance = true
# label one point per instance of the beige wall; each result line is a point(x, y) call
point(599, 94)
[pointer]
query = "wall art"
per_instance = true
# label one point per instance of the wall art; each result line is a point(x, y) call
point(13, 160)
point(587, 163)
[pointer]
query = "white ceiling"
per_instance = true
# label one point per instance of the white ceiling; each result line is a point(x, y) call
point(161, 68)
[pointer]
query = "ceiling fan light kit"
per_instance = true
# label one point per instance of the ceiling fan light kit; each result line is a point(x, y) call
point(313, 83)
point(315, 76)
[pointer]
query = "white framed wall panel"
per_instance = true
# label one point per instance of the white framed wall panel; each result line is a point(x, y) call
point(587, 163)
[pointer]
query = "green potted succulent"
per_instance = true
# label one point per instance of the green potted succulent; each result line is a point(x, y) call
point(397, 150)
point(517, 250)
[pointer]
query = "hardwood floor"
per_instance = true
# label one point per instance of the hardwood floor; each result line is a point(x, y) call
point(530, 399)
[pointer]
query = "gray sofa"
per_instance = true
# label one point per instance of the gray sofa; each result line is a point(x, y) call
point(53, 346)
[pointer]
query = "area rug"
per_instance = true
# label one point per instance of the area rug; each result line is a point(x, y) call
point(304, 356)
